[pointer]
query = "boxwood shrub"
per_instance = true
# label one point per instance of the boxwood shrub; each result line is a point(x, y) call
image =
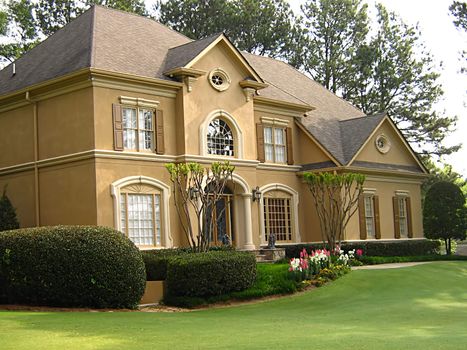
point(211, 273)
point(156, 260)
point(86, 266)
point(375, 248)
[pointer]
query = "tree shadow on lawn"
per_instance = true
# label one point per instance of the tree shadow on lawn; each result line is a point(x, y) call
point(421, 307)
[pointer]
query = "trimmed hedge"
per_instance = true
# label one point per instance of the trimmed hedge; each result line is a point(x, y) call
point(375, 248)
point(156, 260)
point(85, 266)
point(211, 273)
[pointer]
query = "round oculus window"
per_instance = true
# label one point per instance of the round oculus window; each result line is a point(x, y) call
point(382, 144)
point(219, 79)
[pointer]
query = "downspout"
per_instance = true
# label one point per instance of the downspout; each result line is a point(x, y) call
point(36, 158)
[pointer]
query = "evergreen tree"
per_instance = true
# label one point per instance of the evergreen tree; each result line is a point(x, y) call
point(445, 214)
point(8, 220)
point(264, 27)
point(393, 72)
point(334, 29)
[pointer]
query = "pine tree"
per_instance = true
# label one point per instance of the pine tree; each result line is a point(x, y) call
point(8, 220)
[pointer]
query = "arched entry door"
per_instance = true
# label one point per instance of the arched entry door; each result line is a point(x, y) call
point(220, 216)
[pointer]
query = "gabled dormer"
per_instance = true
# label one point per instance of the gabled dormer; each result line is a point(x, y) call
point(217, 97)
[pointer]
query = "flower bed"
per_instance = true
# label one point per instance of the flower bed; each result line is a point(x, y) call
point(323, 265)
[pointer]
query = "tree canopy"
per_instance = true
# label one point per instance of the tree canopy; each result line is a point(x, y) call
point(264, 27)
point(334, 31)
point(445, 213)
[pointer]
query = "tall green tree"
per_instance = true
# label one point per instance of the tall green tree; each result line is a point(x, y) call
point(443, 172)
point(445, 213)
point(24, 23)
point(335, 29)
point(264, 27)
point(393, 72)
point(20, 31)
point(459, 11)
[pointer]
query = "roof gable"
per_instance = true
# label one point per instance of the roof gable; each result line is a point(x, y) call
point(400, 153)
point(187, 55)
point(355, 132)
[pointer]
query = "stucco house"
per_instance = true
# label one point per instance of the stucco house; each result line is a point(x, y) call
point(90, 116)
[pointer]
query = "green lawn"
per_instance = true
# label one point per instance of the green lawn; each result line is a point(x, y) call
point(421, 307)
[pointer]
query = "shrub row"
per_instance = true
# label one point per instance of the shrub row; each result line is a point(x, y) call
point(374, 248)
point(156, 261)
point(211, 273)
point(85, 266)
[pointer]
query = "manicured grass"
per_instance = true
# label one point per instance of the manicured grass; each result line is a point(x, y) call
point(420, 307)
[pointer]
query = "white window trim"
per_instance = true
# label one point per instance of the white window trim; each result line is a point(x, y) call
point(237, 134)
point(295, 199)
point(115, 191)
point(138, 129)
point(274, 144)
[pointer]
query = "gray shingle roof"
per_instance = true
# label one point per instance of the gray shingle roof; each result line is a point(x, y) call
point(181, 55)
point(343, 138)
point(354, 133)
point(100, 38)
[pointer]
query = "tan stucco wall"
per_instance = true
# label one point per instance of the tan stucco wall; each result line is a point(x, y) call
point(16, 136)
point(20, 191)
point(65, 124)
point(313, 154)
point(204, 99)
point(103, 123)
point(398, 153)
point(386, 189)
point(67, 194)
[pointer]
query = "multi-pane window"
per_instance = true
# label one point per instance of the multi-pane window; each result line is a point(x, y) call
point(369, 216)
point(278, 218)
point(138, 128)
point(275, 144)
point(220, 138)
point(403, 227)
point(140, 216)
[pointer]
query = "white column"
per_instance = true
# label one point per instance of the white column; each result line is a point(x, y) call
point(248, 225)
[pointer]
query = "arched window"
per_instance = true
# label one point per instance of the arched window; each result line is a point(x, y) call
point(279, 213)
point(141, 210)
point(220, 139)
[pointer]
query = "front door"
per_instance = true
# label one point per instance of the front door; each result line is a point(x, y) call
point(222, 229)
